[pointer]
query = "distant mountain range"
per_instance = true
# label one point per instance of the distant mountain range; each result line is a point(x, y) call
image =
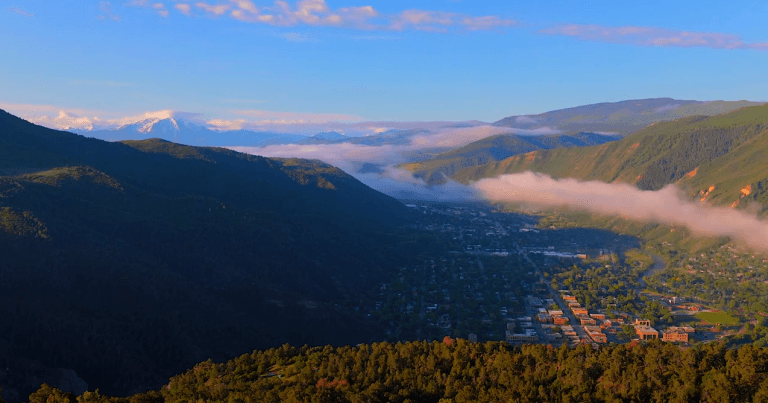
point(185, 132)
point(131, 261)
point(622, 118)
point(181, 131)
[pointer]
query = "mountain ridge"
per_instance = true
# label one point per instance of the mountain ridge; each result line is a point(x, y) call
point(622, 117)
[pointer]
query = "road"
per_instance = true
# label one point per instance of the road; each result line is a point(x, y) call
point(560, 303)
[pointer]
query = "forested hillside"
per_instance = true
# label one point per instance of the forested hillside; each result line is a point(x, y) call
point(129, 262)
point(458, 371)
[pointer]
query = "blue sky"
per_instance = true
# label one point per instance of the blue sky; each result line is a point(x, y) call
point(374, 60)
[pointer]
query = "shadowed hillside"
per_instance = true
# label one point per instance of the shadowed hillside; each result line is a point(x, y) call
point(129, 262)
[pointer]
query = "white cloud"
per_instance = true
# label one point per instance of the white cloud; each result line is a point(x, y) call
point(665, 206)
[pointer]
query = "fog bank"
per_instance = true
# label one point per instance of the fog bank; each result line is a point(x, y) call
point(666, 206)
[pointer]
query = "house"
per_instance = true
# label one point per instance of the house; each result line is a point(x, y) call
point(646, 332)
point(598, 316)
point(560, 320)
point(587, 321)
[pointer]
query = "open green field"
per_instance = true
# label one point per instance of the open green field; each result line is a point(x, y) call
point(718, 317)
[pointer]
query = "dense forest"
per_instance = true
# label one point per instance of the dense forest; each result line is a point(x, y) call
point(455, 370)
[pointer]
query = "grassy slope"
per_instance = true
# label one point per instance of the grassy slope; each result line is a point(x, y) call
point(726, 149)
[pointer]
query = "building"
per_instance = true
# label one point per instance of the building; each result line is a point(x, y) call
point(675, 336)
point(587, 321)
point(560, 320)
point(556, 313)
point(580, 311)
point(646, 332)
point(598, 337)
point(598, 316)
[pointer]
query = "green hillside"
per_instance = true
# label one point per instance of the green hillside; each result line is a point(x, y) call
point(496, 148)
point(725, 151)
point(129, 262)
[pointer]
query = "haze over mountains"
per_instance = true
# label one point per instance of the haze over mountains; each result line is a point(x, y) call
point(193, 129)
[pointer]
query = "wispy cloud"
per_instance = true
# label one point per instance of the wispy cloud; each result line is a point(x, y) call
point(258, 116)
point(184, 8)
point(653, 36)
point(318, 13)
point(158, 7)
point(106, 9)
point(215, 10)
point(21, 12)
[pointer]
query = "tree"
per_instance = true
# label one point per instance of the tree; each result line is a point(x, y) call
point(47, 394)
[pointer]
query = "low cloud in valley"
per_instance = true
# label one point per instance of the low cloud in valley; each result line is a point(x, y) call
point(666, 206)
